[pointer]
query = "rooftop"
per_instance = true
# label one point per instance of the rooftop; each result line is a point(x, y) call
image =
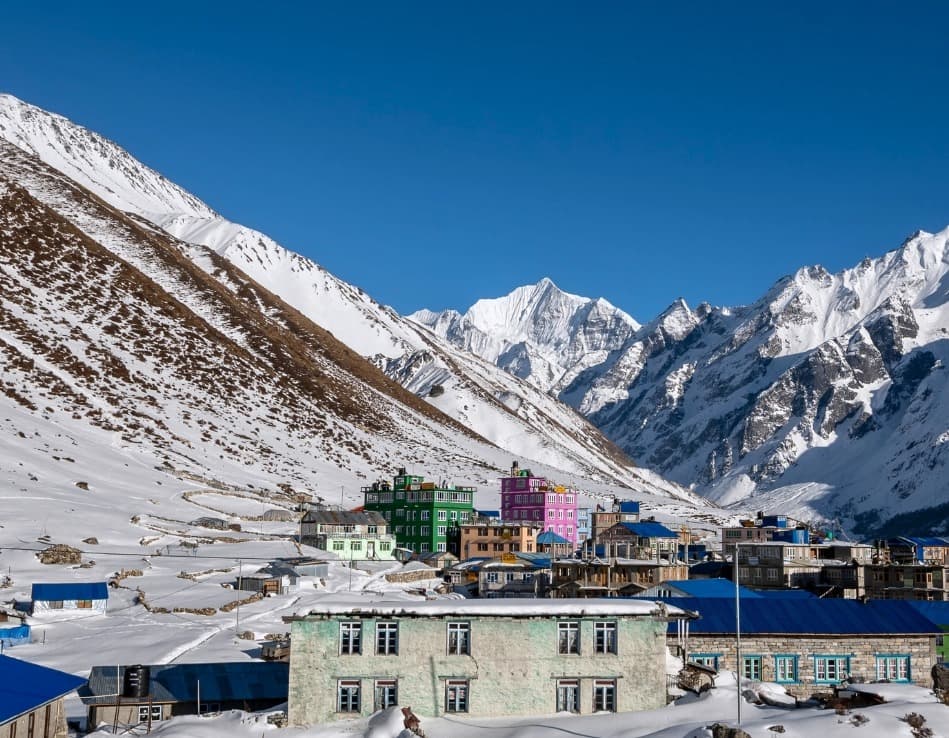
point(27, 686)
point(511, 608)
point(49, 591)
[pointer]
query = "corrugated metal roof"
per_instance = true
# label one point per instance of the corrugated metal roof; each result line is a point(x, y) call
point(708, 588)
point(786, 594)
point(27, 686)
point(937, 612)
point(242, 680)
point(45, 592)
point(815, 616)
point(549, 537)
point(344, 517)
point(650, 530)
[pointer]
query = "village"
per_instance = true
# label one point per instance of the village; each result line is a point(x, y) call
point(419, 599)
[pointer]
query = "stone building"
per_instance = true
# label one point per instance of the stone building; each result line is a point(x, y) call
point(480, 658)
point(32, 699)
point(813, 645)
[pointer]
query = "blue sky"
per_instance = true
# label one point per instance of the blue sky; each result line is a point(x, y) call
point(435, 153)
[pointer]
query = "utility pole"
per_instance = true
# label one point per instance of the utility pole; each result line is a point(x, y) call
point(237, 622)
point(738, 664)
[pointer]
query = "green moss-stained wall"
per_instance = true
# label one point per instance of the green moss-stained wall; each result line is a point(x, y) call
point(513, 667)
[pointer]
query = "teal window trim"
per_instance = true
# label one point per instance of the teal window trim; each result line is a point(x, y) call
point(825, 657)
point(795, 670)
point(878, 657)
point(714, 656)
point(751, 658)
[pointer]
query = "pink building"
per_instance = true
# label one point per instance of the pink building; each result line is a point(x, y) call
point(525, 497)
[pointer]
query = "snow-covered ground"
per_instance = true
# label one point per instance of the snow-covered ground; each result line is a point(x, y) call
point(688, 717)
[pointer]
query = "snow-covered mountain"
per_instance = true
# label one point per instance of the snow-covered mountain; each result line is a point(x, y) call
point(277, 384)
point(826, 397)
point(538, 333)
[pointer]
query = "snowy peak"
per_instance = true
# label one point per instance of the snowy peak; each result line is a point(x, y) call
point(94, 162)
point(537, 332)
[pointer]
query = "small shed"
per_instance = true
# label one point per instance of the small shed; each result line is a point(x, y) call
point(14, 630)
point(439, 560)
point(36, 708)
point(140, 694)
point(55, 598)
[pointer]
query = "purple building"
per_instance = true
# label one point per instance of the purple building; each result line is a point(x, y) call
point(525, 497)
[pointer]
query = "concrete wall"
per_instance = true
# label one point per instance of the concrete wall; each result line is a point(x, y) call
point(513, 667)
point(862, 650)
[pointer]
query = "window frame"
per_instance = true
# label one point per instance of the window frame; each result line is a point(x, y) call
point(562, 702)
point(352, 688)
point(825, 659)
point(348, 627)
point(704, 658)
point(460, 701)
point(387, 638)
point(462, 642)
point(786, 658)
point(604, 693)
point(899, 660)
point(605, 637)
point(144, 710)
point(378, 687)
point(755, 661)
point(566, 645)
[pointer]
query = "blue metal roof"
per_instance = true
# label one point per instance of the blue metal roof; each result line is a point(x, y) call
point(937, 612)
point(925, 540)
point(226, 682)
point(786, 594)
point(70, 591)
point(27, 686)
point(549, 537)
point(814, 616)
point(650, 530)
point(629, 506)
point(708, 588)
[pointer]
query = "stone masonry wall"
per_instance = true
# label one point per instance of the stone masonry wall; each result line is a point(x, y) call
point(861, 649)
point(513, 667)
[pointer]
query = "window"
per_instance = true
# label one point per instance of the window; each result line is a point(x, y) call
point(425, 530)
point(604, 637)
point(84, 604)
point(386, 694)
point(492, 577)
point(355, 545)
point(604, 695)
point(384, 545)
point(347, 695)
point(143, 712)
point(568, 695)
point(568, 637)
point(459, 638)
point(440, 547)
point(831, 669)
point(456, 695)
point(442, 529)
point(443, 515)
point(560, 514)
point(893, 667)
point(551, 514)
point(387, 638)
point(498, 546)
point(453, 515)
point(350, 637)
point(785, 669)
point(338, 545)
point(55, 604)
point(706, 659)
point(425, 515)
point(751, 667)
point(482, 546)
point(569, 514)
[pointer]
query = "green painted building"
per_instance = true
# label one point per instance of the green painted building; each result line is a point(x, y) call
point(479, 658)
point(420, 513)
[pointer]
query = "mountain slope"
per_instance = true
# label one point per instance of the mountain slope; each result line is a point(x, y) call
point(826, 397)
point(491, 403)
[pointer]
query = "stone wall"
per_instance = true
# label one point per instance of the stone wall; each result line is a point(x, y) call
point(861, 649)
point(512, 670)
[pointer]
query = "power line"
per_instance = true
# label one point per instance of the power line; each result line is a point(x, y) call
point(128, 554)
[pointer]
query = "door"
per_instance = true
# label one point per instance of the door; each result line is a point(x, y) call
point(371, 549)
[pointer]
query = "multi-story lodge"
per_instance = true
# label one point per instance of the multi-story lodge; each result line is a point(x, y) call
point(622, 511)
point(778, 565)
point(763, 529)
point(348, 534)
point(483, 658)
point(492, 538)
point(419, 512)
point(611, 577)
point(529, 499)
